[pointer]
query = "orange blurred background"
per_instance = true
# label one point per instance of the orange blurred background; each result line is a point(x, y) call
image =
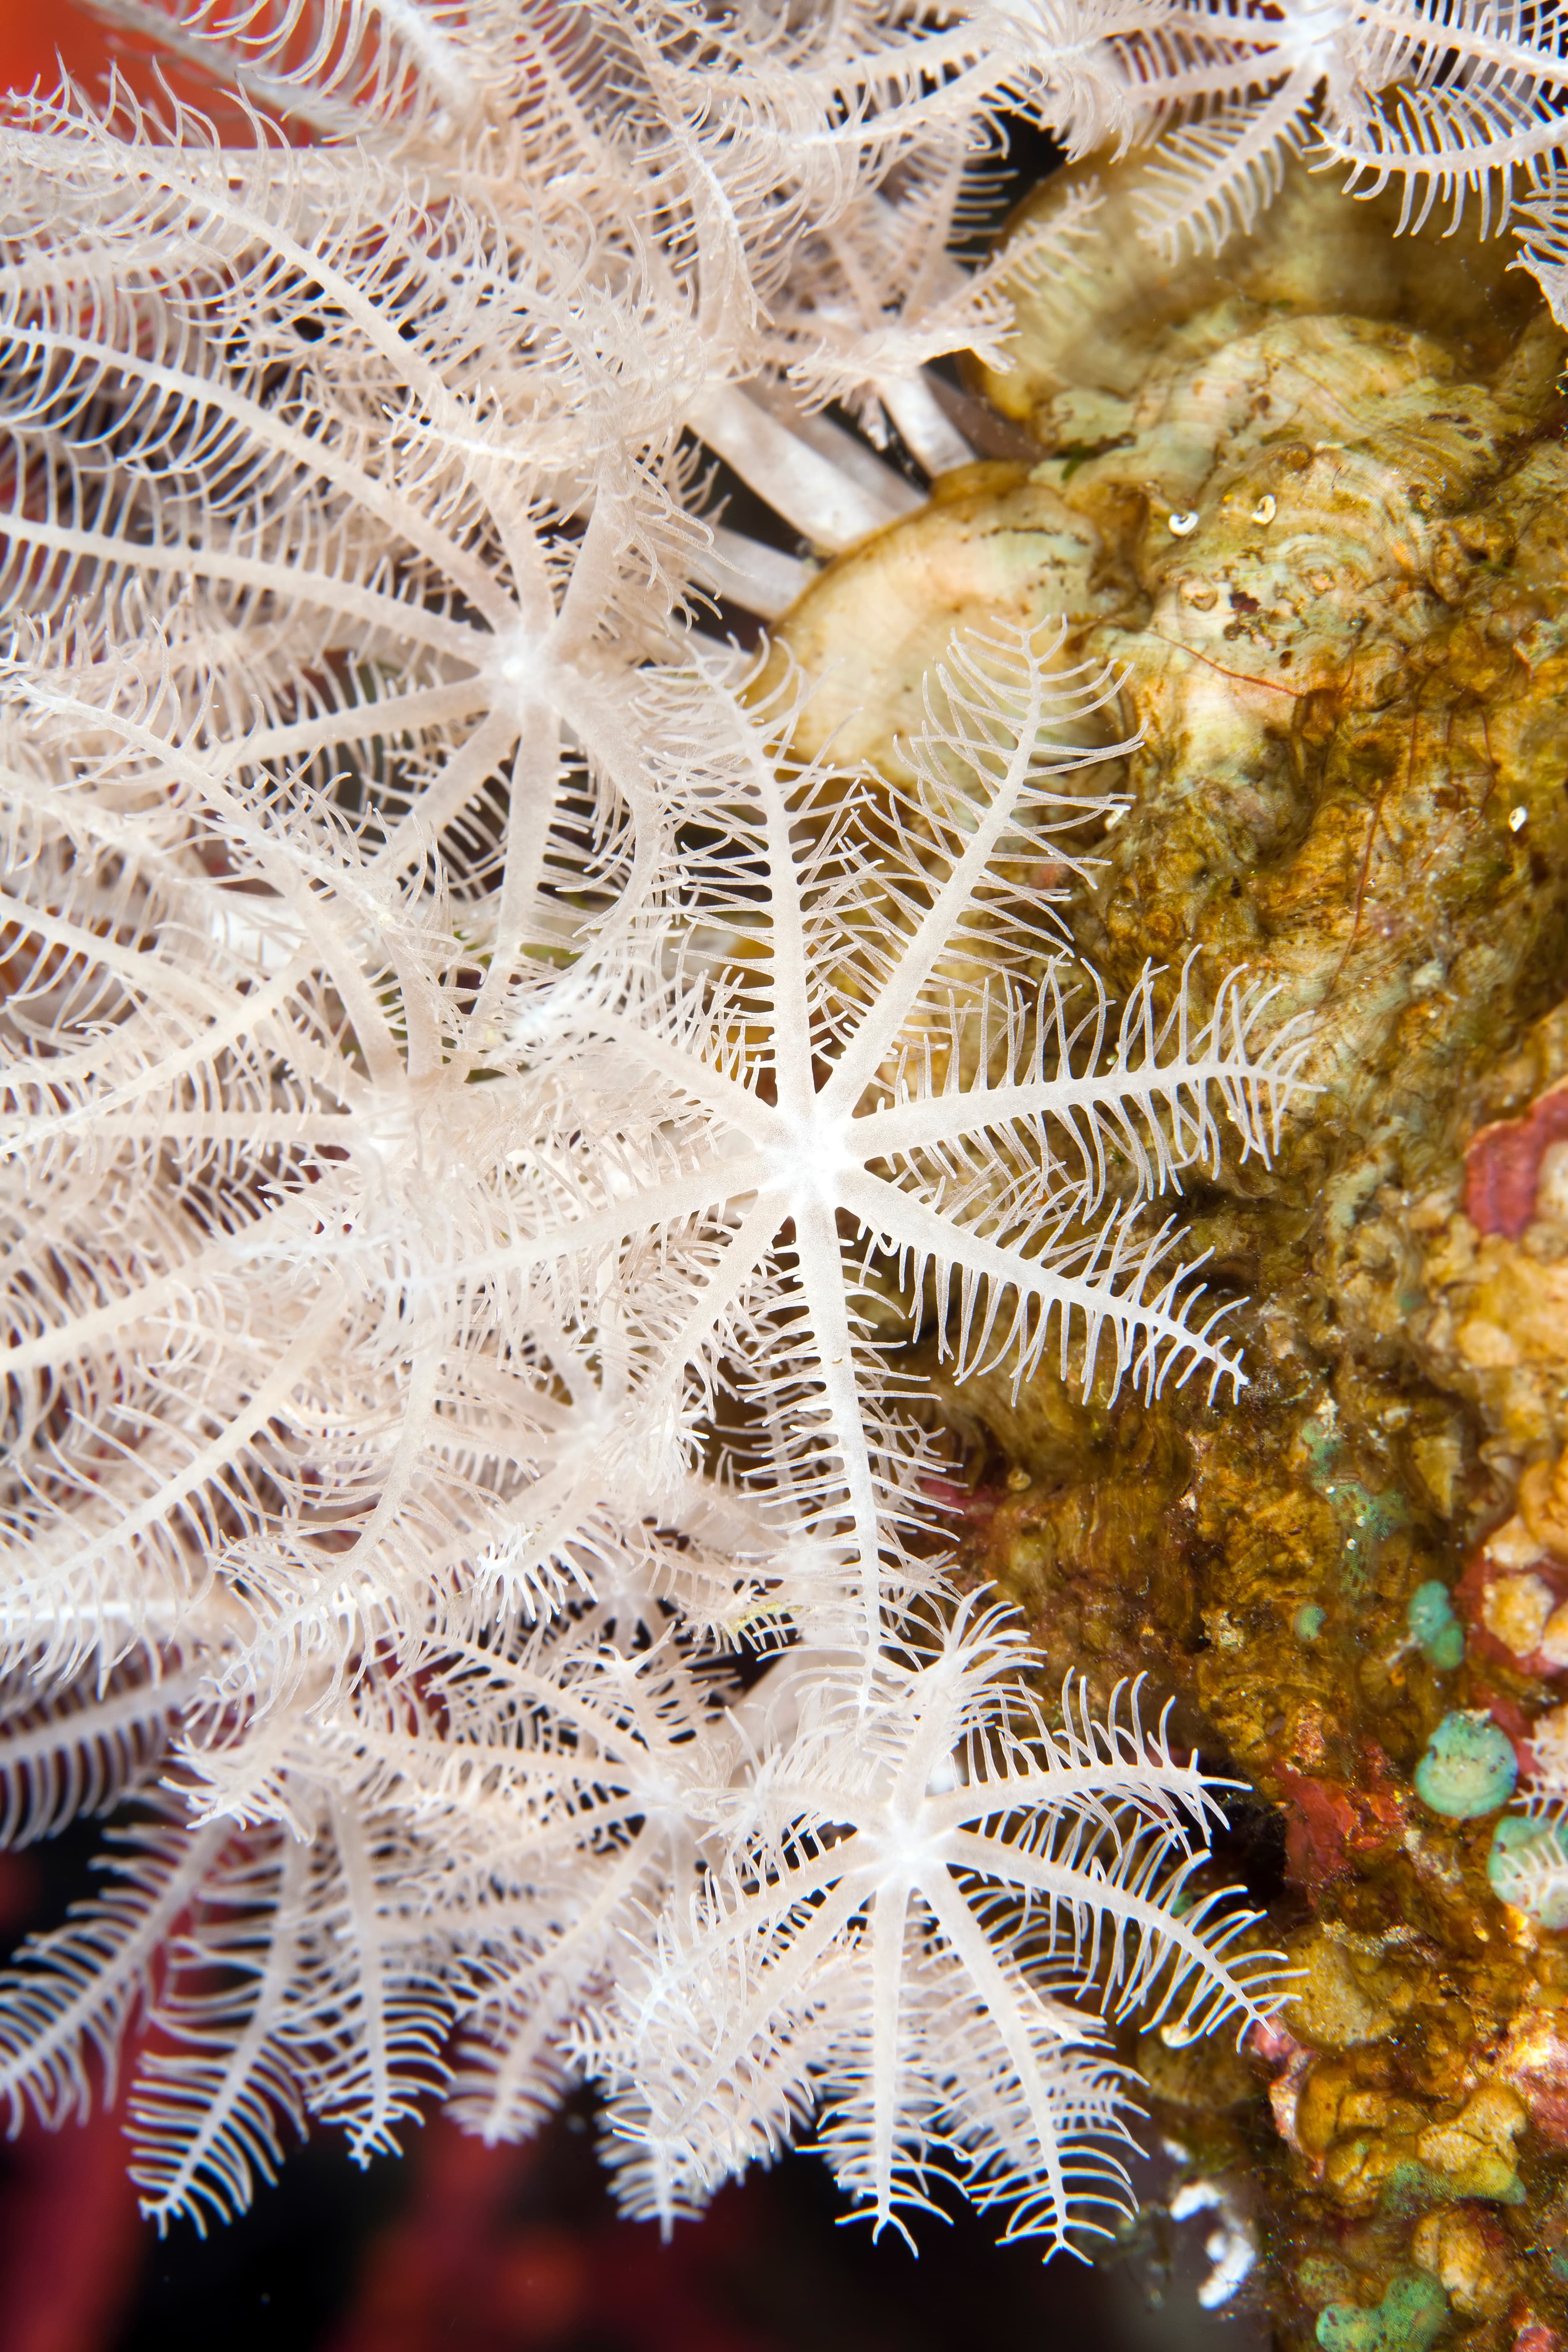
point(35, 35)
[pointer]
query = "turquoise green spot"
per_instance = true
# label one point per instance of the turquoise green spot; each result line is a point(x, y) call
point(1448, 1649)
point(1411, 2315)
point(1428, 1610)
point(1308, 1623)
point(1519, 1841)
point(1429, 1613)
point(1468, 1769)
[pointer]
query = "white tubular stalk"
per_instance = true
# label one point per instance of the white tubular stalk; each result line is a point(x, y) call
point(861, 464)
point(814, 492)
point(928, 434)
point(763, 579)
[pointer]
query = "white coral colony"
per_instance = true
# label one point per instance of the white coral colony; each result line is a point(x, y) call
point(480, 1115)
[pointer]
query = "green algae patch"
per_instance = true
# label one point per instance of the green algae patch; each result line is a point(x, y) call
point(1434, 1628)
point(1469, 1768)
point(1411, 2314)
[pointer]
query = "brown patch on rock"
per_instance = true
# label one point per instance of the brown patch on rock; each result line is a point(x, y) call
point(1502, 1165)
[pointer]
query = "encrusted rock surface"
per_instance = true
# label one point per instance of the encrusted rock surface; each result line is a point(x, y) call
point(1314, 501)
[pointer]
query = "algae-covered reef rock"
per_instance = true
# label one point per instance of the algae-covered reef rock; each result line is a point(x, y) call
point(1312, 501)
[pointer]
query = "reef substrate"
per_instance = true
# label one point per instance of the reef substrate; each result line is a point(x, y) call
point(1312, 501)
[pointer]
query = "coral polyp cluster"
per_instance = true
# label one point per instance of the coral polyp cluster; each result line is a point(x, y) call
point(484, 1120)
point(586, 1209)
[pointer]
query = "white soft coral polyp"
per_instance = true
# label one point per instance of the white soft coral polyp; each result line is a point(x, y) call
point(481, 1121)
